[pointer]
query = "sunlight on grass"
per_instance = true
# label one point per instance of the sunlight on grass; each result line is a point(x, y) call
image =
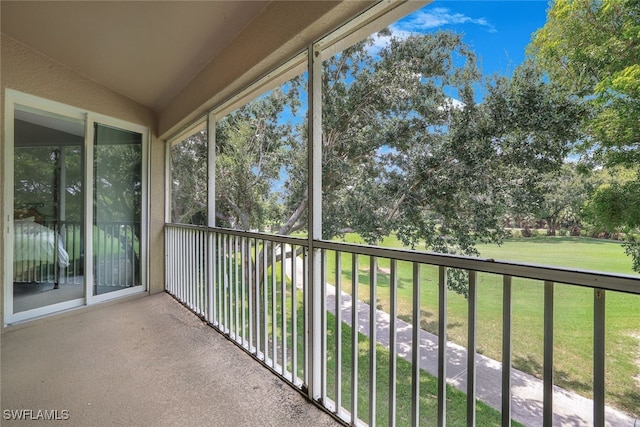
point(573, 322)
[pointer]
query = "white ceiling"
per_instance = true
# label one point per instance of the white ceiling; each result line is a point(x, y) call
point(145, 50)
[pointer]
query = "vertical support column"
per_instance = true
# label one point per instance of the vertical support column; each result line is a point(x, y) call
point(89, 135)
point(314, 169)
point(211, 214)
point(211, 170)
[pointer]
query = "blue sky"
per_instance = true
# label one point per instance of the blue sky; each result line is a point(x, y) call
point(498, 31)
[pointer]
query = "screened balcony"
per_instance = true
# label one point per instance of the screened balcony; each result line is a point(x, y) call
point(273, 133)
point(261, 291)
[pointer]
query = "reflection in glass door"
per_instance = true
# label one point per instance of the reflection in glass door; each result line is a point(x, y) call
point(117, 193)
point(48, 249)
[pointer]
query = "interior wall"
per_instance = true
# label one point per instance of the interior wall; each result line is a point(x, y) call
point(26, 70)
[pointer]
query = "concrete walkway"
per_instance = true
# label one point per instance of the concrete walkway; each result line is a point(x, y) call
point(146, 361)
point(569, 408)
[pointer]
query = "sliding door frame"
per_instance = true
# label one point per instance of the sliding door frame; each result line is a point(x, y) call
point(13, 98)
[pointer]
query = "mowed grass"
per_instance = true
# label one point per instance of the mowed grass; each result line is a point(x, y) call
point(573, 311)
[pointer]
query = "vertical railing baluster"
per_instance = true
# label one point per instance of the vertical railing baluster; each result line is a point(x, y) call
point(180, 264)
point(415, 348)
point(258, 300)
point(338, 330)
point(193, 286)
point(283, 304)
point(306, 300)
point(230, 285)
point(506, 351)
point(250, 294)
point(393, 313)
point(373, 337)
point(214, 278)
point(193, 279)
point(599, 357)
point(202, 261)
point(189, 276)
point(274, 307)
point(186, 269)
point(210, 276)
point(472, 348)
point(323, 323)
point(177, 246)
point(442, 346)
point(225, 283)
point(111, 250)
point(220, 284)
point(294, 314)
point(548, 355)
point(243, 291)
point(236, 289)
point(354, 338)
point(196, 279)
point(265, 302)
point(197, 270)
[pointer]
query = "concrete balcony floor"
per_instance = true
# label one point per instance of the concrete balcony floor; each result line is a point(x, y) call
point(145, 361)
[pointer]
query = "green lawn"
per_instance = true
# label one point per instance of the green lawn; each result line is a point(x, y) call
point(428, 396)
point(573, 327)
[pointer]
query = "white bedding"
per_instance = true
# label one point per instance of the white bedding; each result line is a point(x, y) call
point(35, 242)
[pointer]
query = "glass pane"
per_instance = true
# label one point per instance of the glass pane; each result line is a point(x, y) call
point(48, 251)
point(117, 209)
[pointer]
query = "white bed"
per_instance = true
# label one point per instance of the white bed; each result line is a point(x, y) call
point(34, 248)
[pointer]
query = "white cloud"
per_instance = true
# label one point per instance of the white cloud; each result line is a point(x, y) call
point(423, 20)
point(438, 17)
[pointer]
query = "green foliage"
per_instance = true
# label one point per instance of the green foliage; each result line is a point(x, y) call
point(400, 155)
point(36, 183)
point(632, 249)
point(615, 205)
point(591, 48)
point(255, 148)
point(189, 179)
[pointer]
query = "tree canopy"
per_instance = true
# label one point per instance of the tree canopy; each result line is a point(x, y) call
point(409, 147)
point(592, 49)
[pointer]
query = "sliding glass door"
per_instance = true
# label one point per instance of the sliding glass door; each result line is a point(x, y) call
point(76, 197)
point(117, 208)
point(48, 217)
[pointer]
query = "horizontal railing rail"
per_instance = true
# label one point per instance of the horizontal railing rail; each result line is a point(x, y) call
point(375, 350)
point(585, 278)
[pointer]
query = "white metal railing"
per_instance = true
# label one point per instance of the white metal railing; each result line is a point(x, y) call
point(255, 289)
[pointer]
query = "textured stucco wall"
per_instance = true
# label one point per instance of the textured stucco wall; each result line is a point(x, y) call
point(28, 71)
